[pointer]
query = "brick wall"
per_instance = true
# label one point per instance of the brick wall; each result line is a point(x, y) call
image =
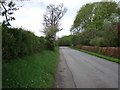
point(108, 51)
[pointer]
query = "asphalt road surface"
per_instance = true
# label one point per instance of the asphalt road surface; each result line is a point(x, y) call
point(80, 70)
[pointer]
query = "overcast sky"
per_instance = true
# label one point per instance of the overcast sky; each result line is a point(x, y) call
point(30, 15)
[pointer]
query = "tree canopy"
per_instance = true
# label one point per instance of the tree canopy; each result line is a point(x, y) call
point(96, 24)
point(92, 15)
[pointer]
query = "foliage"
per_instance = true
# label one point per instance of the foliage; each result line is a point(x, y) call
point(83, 17)
point(7, 10)
point(92, 15)
point(110, 33)
point(65, 41)
point(51, 22)
point(98, 41)
point(87, 35)
point(18, 42)
point(50, 38)
point(75, 39)
point(96, 24)
point(34, 71)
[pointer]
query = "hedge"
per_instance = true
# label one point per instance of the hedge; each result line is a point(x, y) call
point(17, 42)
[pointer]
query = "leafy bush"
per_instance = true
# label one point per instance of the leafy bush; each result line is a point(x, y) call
point(65, 41)
point(98, 41)
point(18, 42)
point(76, 39)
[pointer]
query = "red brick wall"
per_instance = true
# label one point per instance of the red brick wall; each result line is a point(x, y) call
point(90, 48)
point(108, 51)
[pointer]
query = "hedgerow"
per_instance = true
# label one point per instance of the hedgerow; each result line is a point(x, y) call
point(17, 42)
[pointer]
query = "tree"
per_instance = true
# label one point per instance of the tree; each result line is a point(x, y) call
point(110, 30)
point(92, 15)
point(51, 21)
point(7, 10)
point(96, 23)
point(65, 40)
point(98, 41)
point(83, 17)
point(118, 25)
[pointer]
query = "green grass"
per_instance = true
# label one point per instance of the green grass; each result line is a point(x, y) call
point(99, 55)
point(35, 71)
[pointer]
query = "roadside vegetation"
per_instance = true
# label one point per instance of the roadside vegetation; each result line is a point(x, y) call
point(18, 42)
point(29, 61)
point(95, 24)
point(34, 71)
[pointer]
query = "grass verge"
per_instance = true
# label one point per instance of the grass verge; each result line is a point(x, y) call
point(35, 71)
point(99, 55)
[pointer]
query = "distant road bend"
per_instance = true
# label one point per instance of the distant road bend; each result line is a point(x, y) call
point(80, 70)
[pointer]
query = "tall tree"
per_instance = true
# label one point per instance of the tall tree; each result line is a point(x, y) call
point(83, 17)
point(51, 21)
point(52, 17)
point(92, 15)
point(95, 23)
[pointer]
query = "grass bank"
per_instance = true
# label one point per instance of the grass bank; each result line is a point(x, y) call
point(99, 55)
point(35, 71)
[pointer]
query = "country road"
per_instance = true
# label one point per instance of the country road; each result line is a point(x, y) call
point(80, 70)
